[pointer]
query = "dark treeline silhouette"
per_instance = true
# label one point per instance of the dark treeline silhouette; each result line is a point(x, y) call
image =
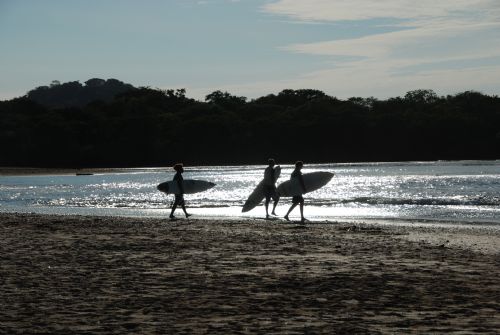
point(74, 94)
point(112, 124)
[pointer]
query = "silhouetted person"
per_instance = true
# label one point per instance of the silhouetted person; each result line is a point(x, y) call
point(179, 197)
point(270, 187)
point(298, 199)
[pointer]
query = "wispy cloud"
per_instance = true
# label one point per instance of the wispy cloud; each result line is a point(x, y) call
point(341, 10)
point(207, 2)
point(424, 33)
point(426, 43)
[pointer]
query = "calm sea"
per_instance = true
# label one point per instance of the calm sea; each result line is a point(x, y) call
point(464, 192)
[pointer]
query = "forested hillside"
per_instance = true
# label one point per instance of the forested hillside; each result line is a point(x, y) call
point(112, 124)
point(74, 94)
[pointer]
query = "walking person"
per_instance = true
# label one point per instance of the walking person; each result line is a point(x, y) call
point(270, 187)
point(179, 196)
point(298, 199)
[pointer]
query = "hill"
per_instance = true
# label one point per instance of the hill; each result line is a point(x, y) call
point(74, 94)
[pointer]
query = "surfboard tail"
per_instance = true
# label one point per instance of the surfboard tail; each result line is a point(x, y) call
point(163, 187)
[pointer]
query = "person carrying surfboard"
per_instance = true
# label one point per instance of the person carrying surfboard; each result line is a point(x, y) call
point(270, 187)
point(179, 197)
point(298, 199)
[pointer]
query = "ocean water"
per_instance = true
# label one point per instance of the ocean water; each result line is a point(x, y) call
point(464, 192)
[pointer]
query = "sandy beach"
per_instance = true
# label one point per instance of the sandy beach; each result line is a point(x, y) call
point(105, 275)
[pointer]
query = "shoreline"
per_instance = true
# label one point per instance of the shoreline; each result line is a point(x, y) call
point(33, 171)
point(105, 275)
point(476, 237)
point(26, 171)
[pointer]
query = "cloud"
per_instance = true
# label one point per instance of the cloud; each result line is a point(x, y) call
point(207, 2)
point(375, 81)
point(425, 36)
point(428, 23)
point(342, 10)
point(449, 46)
point(426, 43)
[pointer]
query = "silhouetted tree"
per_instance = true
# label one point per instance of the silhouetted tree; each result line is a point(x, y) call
point(74, 94)
point(225, 99)
point(421, 96)
point(109, 123)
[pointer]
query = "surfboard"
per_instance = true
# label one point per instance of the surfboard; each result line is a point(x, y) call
point(312, 181)
point(258, 193)
point(190, 186)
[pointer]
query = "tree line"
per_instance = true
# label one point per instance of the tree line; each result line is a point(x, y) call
point(107, 123)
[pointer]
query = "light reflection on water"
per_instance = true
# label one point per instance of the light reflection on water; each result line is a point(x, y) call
point(456, 191)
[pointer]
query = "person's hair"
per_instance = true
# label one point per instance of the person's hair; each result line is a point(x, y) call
point(270, 161)
point(178, 166)
point(299, 163)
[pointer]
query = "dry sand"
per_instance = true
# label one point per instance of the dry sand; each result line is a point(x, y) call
point(102, 275)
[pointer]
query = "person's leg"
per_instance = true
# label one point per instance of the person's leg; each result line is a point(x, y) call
point(182, 203)
point(290, 210)
point(178, 201)
point(185, 212)
point(174, 206)
point(266, 204)
point(274, 208)
point(302, 218)
point(276, 199)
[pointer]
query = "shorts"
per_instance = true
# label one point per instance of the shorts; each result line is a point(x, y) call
point(270, 191)
point(298, 199)
point(179, 199)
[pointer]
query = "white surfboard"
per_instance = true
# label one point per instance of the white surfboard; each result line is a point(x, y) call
point(258, 193)
point(312, 182)
point(190, 186)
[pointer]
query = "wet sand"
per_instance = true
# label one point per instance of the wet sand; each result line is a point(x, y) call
point(104, 275)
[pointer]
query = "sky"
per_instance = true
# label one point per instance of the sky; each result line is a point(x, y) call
point(251, 48)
